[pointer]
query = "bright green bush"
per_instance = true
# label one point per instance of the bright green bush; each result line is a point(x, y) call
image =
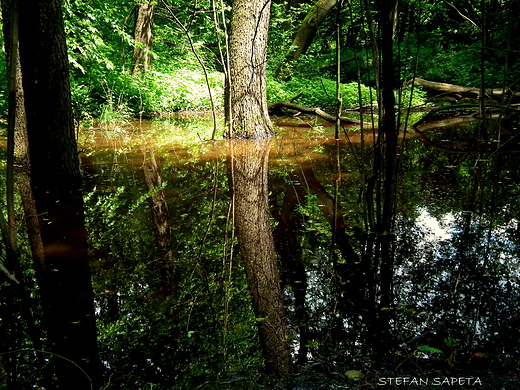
point(123, 92)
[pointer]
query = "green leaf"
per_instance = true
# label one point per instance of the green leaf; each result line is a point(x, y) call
point(425, 348)
point(353, 374)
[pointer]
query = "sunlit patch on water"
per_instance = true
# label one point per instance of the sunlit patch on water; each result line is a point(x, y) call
point(436, 229)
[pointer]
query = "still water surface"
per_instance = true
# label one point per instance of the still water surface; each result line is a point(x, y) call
point(172, 300)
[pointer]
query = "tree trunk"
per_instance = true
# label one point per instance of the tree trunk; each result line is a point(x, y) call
point(65, 285)
point(21, 142)
point(143, 35)
point(160, 218)
point(18, 317)
point(246, 101)
point(307, 31)
point(389, 166)
point(248, 179)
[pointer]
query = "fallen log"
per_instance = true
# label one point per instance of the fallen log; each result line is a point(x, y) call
point(492, 93)
point(471, 110)
point(316, 111)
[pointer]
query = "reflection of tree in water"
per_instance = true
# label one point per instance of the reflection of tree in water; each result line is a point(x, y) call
point(160, 218)
point(248, 171)
point(331, 303)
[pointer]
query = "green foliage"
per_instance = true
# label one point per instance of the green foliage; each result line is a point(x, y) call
point(458, 66)
point(311, 208)
point(100, 43)
point(175, 90)
point(315, 222)
point(319, 92)
point(100, 49)
point(178, 89)
point(283, 24)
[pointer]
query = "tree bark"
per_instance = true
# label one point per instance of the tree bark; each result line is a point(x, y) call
point(247, 167)
point(246, 100)
point(143, 35)
point(65, 285)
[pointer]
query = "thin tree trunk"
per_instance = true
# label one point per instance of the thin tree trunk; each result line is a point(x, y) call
point(390, 132)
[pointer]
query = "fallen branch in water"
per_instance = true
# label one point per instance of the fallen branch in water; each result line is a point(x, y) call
point(316, 111)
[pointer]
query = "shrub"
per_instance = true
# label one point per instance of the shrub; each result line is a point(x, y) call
point(155, 91)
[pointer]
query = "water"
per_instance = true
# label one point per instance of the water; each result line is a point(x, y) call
point(451, 309)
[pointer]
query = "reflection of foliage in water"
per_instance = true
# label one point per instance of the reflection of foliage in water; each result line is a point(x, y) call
point(455, 292)
point(315, 220)
point(462, 285)
point(159, 338)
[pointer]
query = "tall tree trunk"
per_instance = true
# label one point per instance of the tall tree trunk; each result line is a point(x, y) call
point(388, 131)
point(17, 301)
point(248, 179)
point(143, 35)
point(65, 285)
point(246, 99)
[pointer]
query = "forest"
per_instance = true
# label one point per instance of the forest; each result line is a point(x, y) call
point(259, 194)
